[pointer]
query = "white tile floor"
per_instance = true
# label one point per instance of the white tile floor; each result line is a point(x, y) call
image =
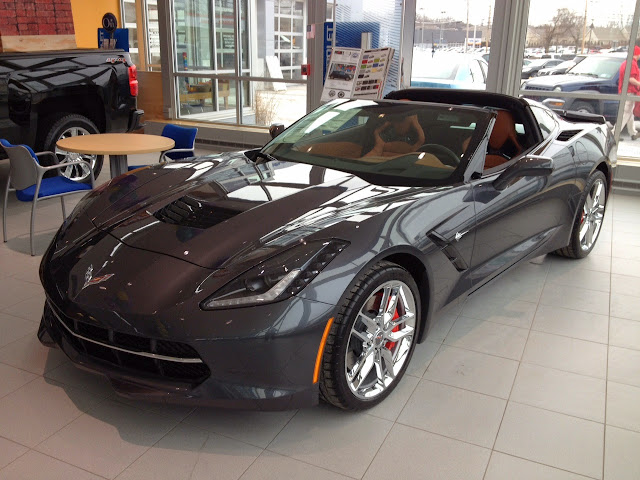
point(535, 377)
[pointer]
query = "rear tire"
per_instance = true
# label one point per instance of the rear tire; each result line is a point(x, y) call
point(64, 125)
point(589, 219)
point(367, 337)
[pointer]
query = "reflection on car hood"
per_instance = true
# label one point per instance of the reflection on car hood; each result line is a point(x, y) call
point(211, 210)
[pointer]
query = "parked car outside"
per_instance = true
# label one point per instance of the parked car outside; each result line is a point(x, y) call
point(534, 67)
point(449, 70)
point(595, 74)
point(563, 67)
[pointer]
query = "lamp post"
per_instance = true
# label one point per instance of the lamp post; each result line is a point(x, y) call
point(590, 31)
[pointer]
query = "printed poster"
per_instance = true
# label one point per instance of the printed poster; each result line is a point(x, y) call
point(354, 73)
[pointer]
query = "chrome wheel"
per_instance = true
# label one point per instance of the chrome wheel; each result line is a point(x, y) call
point(77, 172)
point(592, 215)
point(380, 340)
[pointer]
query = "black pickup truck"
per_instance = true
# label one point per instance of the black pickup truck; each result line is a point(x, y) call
point(46, 96)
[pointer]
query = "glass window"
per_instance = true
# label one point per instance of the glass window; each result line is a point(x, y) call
point(206, 43)
point(545, 120)
point(592, 37)
point(448, 40)
point(271, 102)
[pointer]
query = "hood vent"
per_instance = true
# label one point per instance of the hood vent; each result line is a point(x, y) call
point(567, 135)
point(189, 212)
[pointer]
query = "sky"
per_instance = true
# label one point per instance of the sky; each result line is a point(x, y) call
point(540, 12)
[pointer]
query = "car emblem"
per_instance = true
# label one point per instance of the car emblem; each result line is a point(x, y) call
point(90, 280)
point(88, 275)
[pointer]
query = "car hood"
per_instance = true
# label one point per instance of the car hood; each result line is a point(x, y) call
point(582, 81)
point(214, 210)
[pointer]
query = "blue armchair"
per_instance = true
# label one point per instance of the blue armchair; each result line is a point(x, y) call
point(25, 175)
point(185, 138)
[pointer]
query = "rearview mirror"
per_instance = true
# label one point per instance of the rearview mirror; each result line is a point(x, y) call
point(276, 129)
point(528, 166)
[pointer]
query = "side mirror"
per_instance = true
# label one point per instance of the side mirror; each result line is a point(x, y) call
point(276, 129)
point(528, 166)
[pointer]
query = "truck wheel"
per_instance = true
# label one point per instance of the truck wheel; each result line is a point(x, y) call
point(584, 107)
point(70, 125)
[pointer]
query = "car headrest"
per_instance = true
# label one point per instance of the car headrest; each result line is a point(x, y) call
point(503, 130)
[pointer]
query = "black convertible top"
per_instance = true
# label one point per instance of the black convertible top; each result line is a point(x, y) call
point(460, 97)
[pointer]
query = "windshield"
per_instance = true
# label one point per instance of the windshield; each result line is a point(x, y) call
point(601, 67)
point(386, 142)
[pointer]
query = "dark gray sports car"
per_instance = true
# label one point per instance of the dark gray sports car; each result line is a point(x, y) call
point(310, 268)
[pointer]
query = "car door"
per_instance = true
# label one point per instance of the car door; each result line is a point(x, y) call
point(518, 220)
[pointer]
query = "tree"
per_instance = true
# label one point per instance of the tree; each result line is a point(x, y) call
point(564, 22)
point(570, 25)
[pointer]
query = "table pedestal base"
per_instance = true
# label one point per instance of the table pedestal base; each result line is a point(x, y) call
point(118, 165)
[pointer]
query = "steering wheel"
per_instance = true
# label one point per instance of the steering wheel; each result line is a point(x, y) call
point(450, 158)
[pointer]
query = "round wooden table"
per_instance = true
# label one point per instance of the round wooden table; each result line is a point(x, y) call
point(117, 146)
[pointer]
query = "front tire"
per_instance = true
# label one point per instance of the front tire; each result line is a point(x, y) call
point(372, 338)
point(584, 107)
point(588, 222)
point(66, 125)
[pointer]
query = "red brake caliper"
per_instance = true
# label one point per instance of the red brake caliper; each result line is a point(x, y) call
point(390, 345)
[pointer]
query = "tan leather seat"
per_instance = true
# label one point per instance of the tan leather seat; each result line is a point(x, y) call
point(503, 133)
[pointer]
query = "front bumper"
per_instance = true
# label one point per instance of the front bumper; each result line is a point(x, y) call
point(134, 120)
point(190, 376)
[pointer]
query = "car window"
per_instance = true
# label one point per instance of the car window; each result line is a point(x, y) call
point(476, 72)
point(545, 120)
point(600, 67)
point(386, 142)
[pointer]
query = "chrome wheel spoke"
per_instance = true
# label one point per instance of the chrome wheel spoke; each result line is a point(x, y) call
point(384, 301)
point(369, 323)
point(362, 368)
point(362, 336)
point(373, 344)
point(399, 335)
point(380, 370)
point(387, 357)
point(593, 215)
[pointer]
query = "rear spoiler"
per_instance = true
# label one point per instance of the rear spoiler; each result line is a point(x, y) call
point(574, 116)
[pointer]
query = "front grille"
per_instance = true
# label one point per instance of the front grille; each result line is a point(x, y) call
point(168, 360)
point(538, 87)
point(190, 212)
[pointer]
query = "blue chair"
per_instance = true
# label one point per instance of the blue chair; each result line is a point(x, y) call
point(185, 138)
point(25, 175)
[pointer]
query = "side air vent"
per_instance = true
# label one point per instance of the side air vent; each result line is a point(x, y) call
point(567, 135)
point(190, 212)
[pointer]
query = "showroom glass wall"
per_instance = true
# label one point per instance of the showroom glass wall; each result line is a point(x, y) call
point(451, 44)
point(238, 61)
point(594, 37)
point(141, 18)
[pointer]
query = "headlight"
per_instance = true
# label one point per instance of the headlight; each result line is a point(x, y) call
point(278, 277)
point(557, 89)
